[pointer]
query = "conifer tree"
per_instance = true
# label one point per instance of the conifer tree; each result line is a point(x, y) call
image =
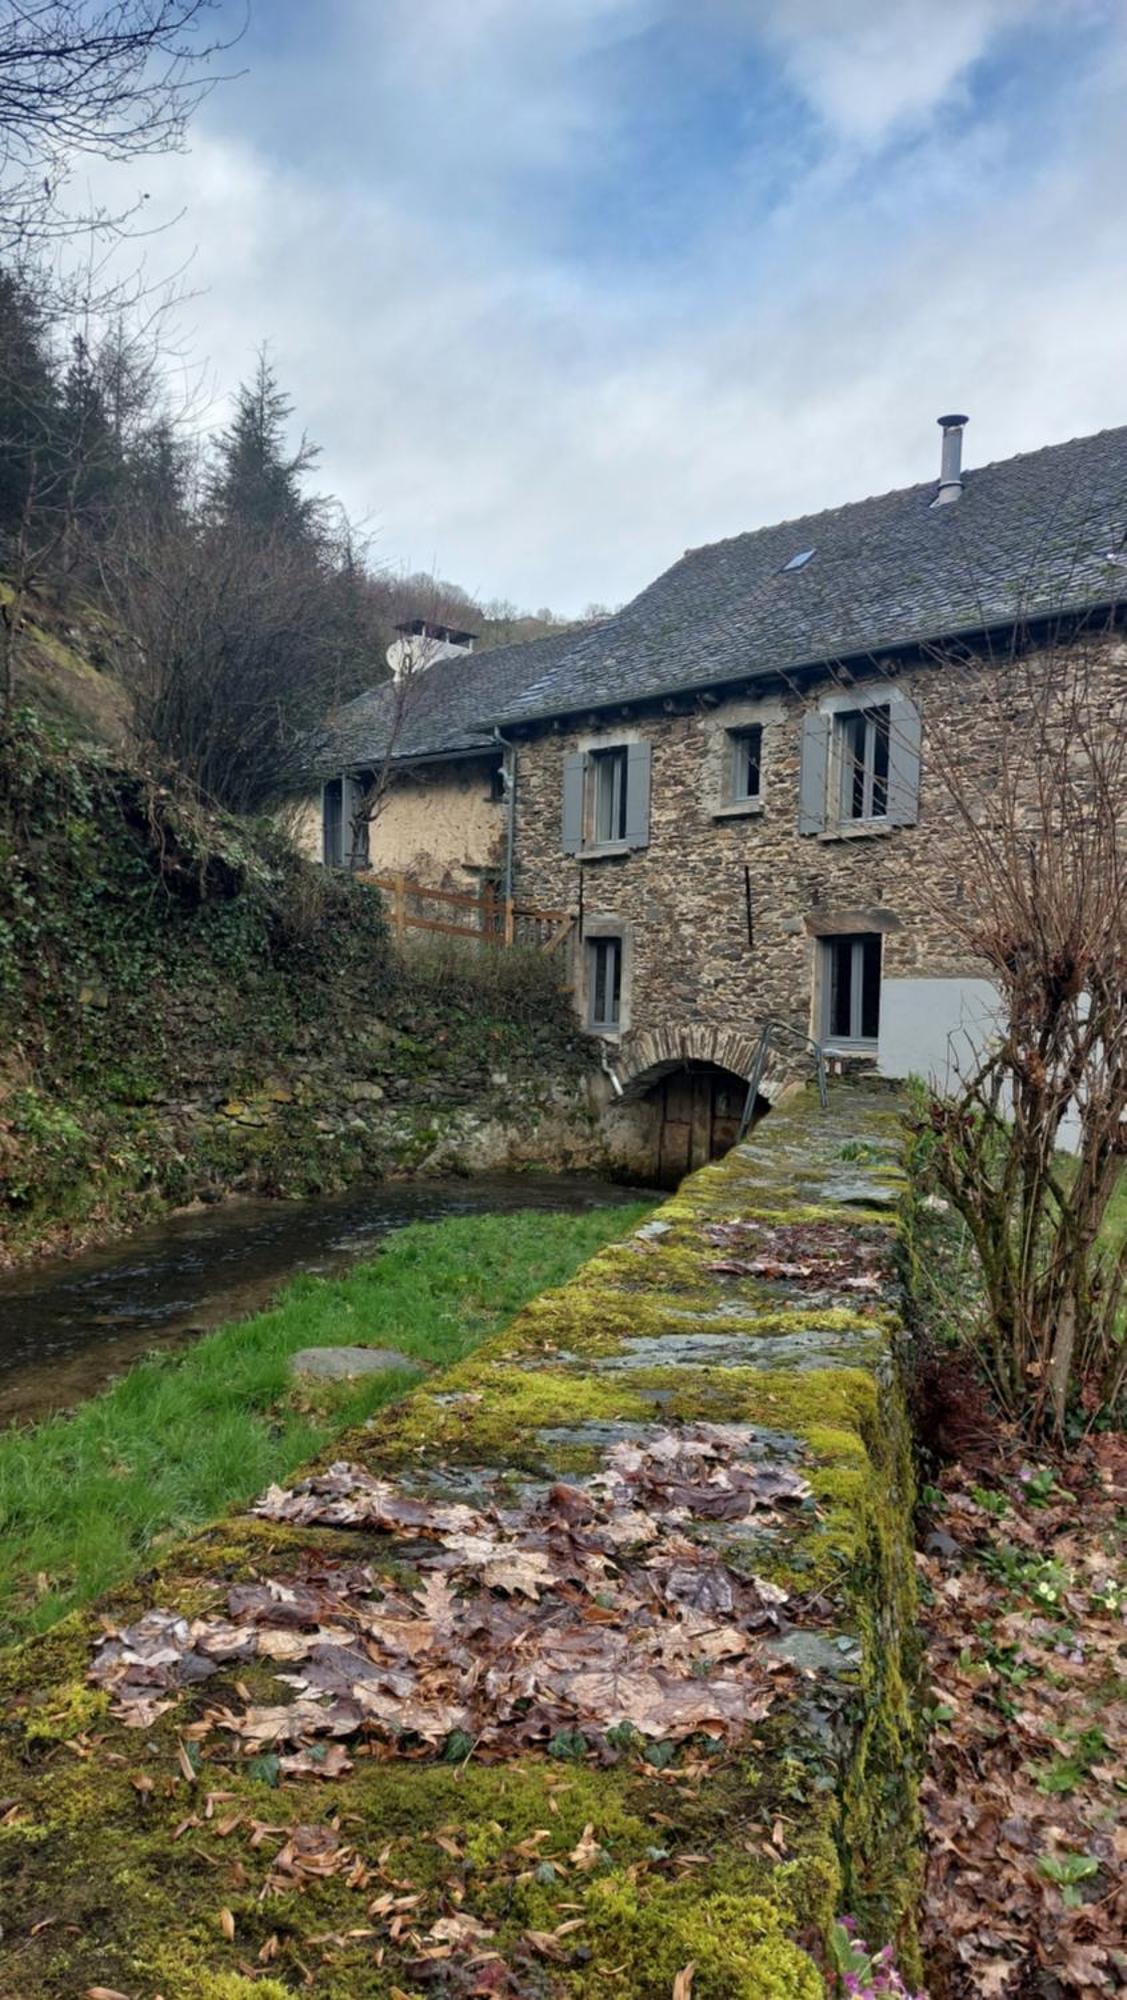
point(28, 398)
point(256, 482)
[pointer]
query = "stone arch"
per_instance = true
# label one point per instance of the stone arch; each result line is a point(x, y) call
point(649, 1054)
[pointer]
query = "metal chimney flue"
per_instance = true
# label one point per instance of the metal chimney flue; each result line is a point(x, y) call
point(951, 464)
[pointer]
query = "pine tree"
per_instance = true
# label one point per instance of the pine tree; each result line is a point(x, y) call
point(255, 482)
point(88, 455)
point(158, 478)
point(29, 400)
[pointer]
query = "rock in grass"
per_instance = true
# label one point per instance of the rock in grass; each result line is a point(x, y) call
point(340, 1364)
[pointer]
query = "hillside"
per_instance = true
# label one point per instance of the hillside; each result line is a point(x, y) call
point(62, 666)
point(187, 1008)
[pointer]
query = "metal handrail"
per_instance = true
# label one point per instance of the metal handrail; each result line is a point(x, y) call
point(771, 1029)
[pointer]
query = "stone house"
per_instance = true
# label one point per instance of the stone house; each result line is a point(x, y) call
point(728, 782)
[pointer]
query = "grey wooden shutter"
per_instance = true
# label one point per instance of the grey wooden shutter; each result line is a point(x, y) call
point(331, 813)
point(574, 772)
point(814, 776)
point(638, 795)
point(904, 740)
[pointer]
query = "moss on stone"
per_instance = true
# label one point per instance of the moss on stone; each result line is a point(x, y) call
point(834, 1762)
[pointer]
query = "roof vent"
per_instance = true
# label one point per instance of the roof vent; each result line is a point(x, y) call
point(951, 465)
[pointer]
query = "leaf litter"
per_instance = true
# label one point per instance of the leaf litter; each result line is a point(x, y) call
point(579, 1611)
point(822, 1255)
point(1025, 1616)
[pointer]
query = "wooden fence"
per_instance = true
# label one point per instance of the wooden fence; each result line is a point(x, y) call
point(482, 915)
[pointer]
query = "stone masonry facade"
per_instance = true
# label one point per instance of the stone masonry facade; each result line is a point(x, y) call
point(724, 912)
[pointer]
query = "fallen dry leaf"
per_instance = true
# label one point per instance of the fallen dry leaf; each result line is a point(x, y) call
point(683, 1983)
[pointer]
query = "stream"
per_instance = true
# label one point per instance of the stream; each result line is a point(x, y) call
point(68, 1326)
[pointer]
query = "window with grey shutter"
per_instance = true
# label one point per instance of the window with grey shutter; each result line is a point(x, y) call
point(814, 774)
point(638, 795)
point(905, 739)
point(574, 772)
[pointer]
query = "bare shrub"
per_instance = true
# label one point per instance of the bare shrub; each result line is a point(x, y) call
point(230, 655)
point(1039, 899)
point(521, 984)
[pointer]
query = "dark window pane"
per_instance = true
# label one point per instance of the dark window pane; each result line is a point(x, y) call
point(870, 989)
point(606, 982)
point(840, 951)
point(855, 752)
point(610, 795)
point(881, 729)
point(747, 753)
point(332, 824)
point(851, 968)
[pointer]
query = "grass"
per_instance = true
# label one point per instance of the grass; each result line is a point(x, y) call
point(86, 1498)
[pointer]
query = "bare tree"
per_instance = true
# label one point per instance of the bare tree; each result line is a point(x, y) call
point(1039, 898)
point(112, 79)
point(225, 654)
point(80, 421)
point(410, 657)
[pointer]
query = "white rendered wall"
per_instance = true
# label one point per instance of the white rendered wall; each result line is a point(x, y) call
point(934, 1028)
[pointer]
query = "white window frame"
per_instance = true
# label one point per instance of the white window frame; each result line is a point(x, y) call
point(609, 946)
point(608, 771)
point(736, 794)
point(722, 730)
point(828, 945)
point(862, 719)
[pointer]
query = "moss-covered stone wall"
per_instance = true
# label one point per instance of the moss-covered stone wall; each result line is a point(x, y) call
point(590, 1661)
point(188, 1009)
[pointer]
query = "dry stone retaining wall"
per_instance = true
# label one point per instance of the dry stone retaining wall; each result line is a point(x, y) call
point(589, 1661)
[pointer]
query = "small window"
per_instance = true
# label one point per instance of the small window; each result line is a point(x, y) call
point(799, 561)
point(851, 988)
point(863, 745)
point(745, 770)
point(608, 796)
point(604, 968)
point(498, 789)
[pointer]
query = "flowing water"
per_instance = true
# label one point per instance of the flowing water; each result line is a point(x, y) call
point(68, 1326)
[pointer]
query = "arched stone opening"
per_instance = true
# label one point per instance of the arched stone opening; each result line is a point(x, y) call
point(692, 1111)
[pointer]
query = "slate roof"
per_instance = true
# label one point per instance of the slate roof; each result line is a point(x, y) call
point(1030, 534)
point(446, 708)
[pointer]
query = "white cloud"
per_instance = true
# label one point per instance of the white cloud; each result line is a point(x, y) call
point(556, 430)
point(874, 66)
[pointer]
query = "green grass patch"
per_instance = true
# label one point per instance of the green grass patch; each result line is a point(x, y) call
point(86, 1498)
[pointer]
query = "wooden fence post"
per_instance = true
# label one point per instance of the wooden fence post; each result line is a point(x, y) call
point(400, 907)
point(510, 921)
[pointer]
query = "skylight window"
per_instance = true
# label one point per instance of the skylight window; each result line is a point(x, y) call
point(799, 561)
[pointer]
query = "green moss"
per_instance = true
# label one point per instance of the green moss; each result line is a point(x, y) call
point(65, 1713)
point(181, 1983)
point(490, 1414)
point(737, 1940)
point(497, 1840)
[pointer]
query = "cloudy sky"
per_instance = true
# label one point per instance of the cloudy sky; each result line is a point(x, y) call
point(563, 287)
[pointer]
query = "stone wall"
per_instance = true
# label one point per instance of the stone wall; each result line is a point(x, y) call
point(590, 1661)
point(682, 902)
